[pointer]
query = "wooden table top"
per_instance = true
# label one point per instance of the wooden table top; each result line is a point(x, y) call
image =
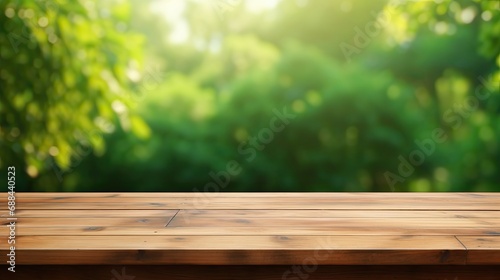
point(254, 228)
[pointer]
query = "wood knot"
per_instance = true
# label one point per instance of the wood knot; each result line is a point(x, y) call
point(93, 228)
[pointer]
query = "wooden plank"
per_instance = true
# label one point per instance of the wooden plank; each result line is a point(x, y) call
point(256, 228)
point(201, 231)
point(62, 213)
point(62, 199)
point(252, 243)
point(268, 204)
point(355, 201)
point(181, 220)
point(238, 257)
point(237, 250)
point(214, 200)
point(124, 205)
point(491, 199)
point(482, 249)
point(444, 196)
point(326, 231)
point(236, 213)
point(91, 222)
point(270, 272)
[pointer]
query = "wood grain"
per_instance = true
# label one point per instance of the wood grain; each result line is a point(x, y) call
point(218, 250)
point(445, 196)
point(430, 214)
point(485, 223)
point(88, 213)
point(326, 213)
point(94, 221)
point(267, 204)
point(482, 249)
point(393, 201)
point(258, 229)
point(90, 230)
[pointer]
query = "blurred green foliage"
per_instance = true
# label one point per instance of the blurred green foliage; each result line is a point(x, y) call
point(171, 95)
point(63, 64)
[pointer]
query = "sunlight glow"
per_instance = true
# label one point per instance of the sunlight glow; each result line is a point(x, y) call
point(260, 5)
point(172, 11)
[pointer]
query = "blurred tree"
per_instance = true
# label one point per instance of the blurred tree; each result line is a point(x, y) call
point(453, 51)
point(275, 91)
point(340, 136)
point(66, 71)
point(428, 45)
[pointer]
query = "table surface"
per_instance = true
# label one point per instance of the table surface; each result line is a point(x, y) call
point(255, 228)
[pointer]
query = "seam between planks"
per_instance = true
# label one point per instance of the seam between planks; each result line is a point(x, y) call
point(465, 247)
point(173, 217)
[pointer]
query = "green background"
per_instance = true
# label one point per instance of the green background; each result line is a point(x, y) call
point(233, 95)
